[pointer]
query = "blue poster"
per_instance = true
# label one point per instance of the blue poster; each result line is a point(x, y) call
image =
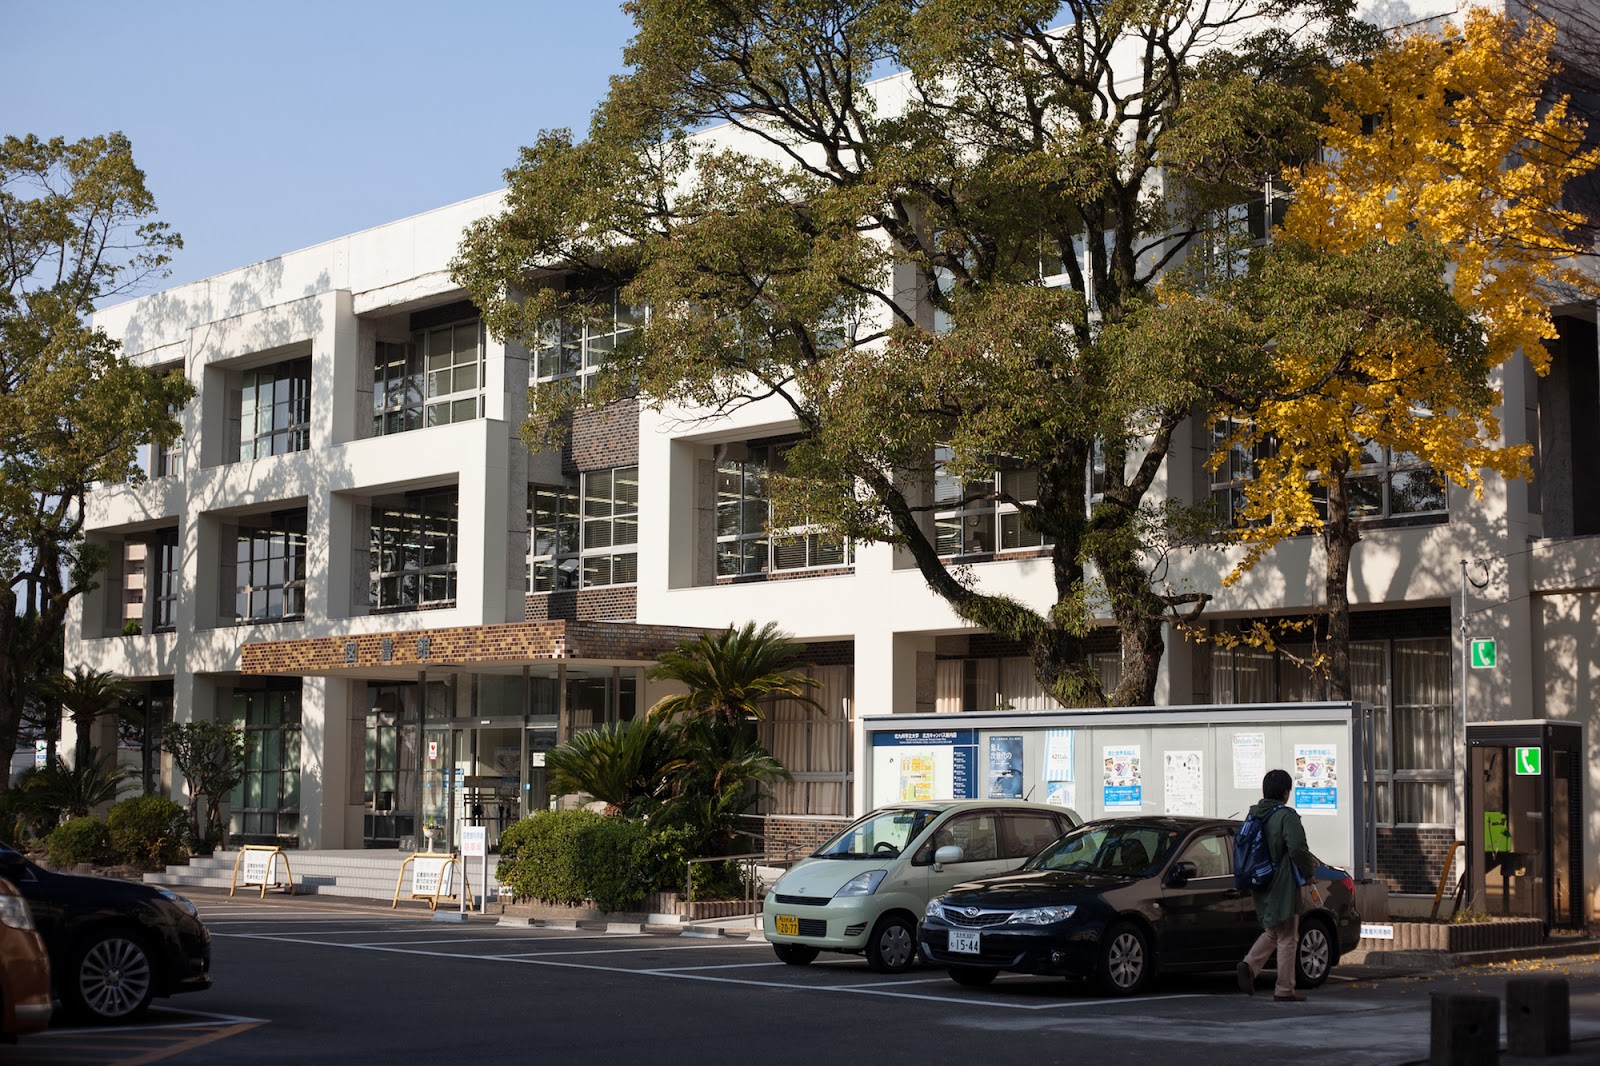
point(924, 764)
point(1005, 768)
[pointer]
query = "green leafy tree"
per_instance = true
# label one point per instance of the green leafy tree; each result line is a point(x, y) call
point(875, 270)
point(77, 226)
point(86, 695)
point(210, 755)
point(89, 782)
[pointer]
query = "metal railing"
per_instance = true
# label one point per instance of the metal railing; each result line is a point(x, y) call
point(748, 863)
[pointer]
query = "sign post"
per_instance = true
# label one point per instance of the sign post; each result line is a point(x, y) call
point(475, 843)
point(1483, 653)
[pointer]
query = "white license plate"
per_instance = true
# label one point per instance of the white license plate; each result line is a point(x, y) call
point(964, 941)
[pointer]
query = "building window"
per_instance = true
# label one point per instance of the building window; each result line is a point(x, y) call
point(169, 576)
point(275, 410)
point(413, 551)
point(574, 351)
point(266, 803)
point(434, 379)
point(1387, 484)
point(270, 569)
point(578, 530)
point(971, 520)
point(747, 543)
point(1408, 683)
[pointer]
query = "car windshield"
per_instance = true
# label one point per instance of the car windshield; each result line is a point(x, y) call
point(1111, 848)
point(881, 834)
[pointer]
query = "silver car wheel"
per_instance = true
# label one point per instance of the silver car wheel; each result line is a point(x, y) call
point(1125, 960)
point(1315, 953)
point(114, 978)
point(897, 946)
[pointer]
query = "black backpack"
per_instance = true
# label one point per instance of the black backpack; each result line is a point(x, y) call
point(1253, 866)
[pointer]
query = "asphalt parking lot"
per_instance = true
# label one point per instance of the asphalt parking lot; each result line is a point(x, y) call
point(305, 977)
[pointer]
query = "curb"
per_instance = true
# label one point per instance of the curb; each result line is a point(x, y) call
point(1445, 959)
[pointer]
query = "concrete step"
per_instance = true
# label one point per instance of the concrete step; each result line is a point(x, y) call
point(356, 874)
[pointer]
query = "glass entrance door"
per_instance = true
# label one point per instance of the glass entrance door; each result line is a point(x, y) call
point(1512, 831)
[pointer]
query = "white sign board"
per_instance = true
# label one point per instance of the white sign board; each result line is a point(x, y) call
point(474, 841)
point(1374, 931)
point(255, 867)
point(432, 876)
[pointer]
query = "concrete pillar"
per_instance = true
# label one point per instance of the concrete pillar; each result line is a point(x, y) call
point(1465, 1030)
point(1538, 1018)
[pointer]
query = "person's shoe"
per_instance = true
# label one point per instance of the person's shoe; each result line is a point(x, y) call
point(1247, 980)
point(1292, 997)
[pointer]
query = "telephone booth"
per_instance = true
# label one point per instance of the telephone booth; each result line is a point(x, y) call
point(1524, 831)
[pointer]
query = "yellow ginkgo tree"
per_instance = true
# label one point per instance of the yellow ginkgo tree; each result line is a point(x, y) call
point(1422, 252)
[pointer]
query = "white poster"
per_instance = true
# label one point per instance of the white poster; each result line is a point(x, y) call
point(1316, 779)
point(1061, 794)
point(1249, 761)
point(1058, 755)
point(1183, 782)
point(1123, 789)
point(430, 876)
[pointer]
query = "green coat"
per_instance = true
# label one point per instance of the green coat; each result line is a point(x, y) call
point(1286, 843)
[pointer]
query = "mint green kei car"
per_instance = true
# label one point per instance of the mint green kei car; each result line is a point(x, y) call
point(865, 889)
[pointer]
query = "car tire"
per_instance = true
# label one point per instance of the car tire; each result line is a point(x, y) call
point(892, 947)
point(1125, 961)
point(971, 976)
point(112, 978)
point(795, 954)
point(1313, 955)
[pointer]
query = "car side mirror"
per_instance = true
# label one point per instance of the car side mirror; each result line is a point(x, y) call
point(947, 854)
point(1180, 873)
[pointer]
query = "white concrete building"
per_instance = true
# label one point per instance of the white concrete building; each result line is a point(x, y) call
point(351, 552)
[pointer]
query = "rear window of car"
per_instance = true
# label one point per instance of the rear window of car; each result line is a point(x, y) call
point(1025, 833)
point(1127, 848)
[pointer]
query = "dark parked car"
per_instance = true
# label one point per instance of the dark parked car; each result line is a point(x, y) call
point(1121, 899)
point(114, 945)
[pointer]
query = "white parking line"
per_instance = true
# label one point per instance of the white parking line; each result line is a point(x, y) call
point(209, 1020)
point(544, 959)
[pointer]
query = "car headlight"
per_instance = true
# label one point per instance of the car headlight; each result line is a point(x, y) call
point(15, 913)
point(1042, 915)
point(861, 884)
point(179, 900)
point(932, 909)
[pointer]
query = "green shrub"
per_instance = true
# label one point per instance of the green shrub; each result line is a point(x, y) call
point(148, 831)
point(572, 856)
point(77, 840)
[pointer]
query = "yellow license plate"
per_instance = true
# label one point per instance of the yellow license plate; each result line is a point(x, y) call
point(788, 925)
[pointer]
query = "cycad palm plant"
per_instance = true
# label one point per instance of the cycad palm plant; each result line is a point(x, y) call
point(626, 765)
point(87, 694)
point(731, 675)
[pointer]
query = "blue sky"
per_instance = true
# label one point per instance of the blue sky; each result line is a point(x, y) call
point(265, 127)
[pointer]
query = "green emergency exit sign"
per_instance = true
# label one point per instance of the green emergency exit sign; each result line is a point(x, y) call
point(1483, 654)
point(1528, 762)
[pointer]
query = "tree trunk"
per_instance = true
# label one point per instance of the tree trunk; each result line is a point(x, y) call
point(1341, 534)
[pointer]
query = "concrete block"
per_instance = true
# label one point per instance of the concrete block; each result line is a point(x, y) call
point(1538, 1021)
point(1465, 1030)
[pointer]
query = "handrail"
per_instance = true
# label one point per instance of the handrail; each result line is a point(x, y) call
point(1444, 875)
point(750, 861)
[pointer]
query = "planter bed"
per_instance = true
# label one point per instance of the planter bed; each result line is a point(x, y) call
point(1453, 938)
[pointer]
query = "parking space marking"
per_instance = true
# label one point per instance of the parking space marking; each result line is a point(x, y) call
point(680, 974)
point(131, 1045)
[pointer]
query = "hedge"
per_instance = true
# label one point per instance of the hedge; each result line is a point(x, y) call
point(571, 857)
point(77, 840)
point(148, 831)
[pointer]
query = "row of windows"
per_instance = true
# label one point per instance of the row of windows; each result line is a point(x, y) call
point(576, 528)
point(434, 379)
point(413, 550)
point(574, 351)
point(746, 541)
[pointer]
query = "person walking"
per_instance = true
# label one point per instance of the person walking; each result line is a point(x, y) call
point(1278, 906)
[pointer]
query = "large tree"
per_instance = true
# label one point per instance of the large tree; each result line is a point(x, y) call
point(1421, 254)
point(77, 226)
point(870, 260)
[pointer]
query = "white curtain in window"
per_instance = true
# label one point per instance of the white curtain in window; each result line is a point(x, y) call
point(1243, 675)
point(947, 686)
point(1369, 683)
point(1108, 664)
point(1021, 689)
point(986, 683)
point(1423, 738)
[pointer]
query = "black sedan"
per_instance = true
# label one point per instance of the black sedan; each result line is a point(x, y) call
point(1120, 899)
point(113, 945)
